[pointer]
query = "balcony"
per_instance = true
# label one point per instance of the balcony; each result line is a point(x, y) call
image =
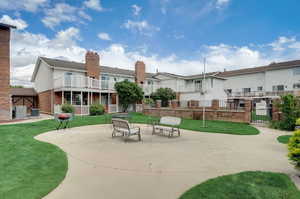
point(82, 82)
point(262, 94)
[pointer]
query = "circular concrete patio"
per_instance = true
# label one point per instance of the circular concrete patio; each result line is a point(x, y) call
point(158, 167)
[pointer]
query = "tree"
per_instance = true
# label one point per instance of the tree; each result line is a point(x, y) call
point(16, 86)
point(164, 94)
point(129, 93)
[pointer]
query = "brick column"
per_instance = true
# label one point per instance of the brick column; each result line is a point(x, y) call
point(5, 102)
point(92, 64)
point(158, 104)
point(140, 69)
point(248, 109)
point(215, 104)
point(275, 110)
point(174, 104)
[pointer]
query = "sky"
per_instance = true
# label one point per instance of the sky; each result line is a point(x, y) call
point(168, 35)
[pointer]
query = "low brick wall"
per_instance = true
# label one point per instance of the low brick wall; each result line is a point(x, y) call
point(196, 114)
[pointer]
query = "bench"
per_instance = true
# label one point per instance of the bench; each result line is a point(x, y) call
point(123, 127)
point(167, 124)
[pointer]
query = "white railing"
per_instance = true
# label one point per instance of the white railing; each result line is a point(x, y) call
point(112, 108)
point(260, 93)
point(76, 81)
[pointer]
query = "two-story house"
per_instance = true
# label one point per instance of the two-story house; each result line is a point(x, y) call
point(81, 84)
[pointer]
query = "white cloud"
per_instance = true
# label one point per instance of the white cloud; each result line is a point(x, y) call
point(281, 42)
point(93, 4)
point(19, 23)
point(142, 27)
point(104, 36)
point(63, 12)
point(26, 47)
point(136, 9)
point(221, 3)
point(28, 5)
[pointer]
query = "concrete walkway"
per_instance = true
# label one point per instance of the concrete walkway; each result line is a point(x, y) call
point(28, 120)
point(158, 167)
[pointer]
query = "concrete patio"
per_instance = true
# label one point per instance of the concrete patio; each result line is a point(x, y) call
point(158, 167)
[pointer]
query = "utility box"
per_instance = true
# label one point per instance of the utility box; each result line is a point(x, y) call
point(35, 112)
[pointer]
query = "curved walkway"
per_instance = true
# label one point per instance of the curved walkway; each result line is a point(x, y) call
point(158, 167)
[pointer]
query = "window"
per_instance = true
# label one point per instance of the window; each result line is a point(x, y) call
point(68, 77)
point(105, 77)
point(115, 79)
point(278, 88)
point(296, 71)
point(260, 88)
point(296, 86)
point(198, 84)
point(150, 82)
point(246, 90)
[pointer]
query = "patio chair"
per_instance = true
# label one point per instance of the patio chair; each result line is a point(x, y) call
point(123, 127)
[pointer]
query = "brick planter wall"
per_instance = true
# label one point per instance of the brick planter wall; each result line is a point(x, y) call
point(211, 113)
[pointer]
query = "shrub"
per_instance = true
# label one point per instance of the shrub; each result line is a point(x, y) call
point(97, 109)
point(164, 94)
point(294, 148)
point(67, 108)
point(148, 101)
point(290, 108)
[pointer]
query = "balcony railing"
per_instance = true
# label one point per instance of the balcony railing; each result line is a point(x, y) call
point(261, 93)
point(83, 82)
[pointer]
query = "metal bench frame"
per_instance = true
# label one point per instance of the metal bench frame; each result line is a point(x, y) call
point(167, 125)
point(123, 127)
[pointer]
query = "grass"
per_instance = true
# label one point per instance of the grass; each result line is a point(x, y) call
point(245, 185)
point(31, 169)
point(210, 126)
point(284, 139)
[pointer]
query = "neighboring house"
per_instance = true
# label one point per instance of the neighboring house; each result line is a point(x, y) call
point(263, 82)
point(81, 84)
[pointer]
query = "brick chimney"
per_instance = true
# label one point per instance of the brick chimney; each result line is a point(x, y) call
point(5, 102)
point(140, 69)
point(92, 64)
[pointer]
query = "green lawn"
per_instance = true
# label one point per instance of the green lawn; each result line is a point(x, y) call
point(245, 185)
point(284, 139)
point(30, 169)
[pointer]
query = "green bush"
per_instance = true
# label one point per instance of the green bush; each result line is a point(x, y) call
point(148, 101)
point(294, 148)
point(67, 108)
point(97, 109)
point(290, 108)
point(164, 94)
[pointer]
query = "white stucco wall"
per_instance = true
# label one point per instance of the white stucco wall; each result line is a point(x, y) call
point(281, 77)
point(43, 80)
point(237, 83)
point(213, 91)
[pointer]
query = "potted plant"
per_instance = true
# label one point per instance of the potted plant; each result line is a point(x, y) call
point(148, 102)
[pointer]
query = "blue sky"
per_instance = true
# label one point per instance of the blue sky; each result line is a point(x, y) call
point(169, 35)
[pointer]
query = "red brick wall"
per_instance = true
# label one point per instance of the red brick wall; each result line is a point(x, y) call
point(92, 64)
point(5, 102)
point(45, 101)
point(58, 98)
point(140, 70)
point(223, 115)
